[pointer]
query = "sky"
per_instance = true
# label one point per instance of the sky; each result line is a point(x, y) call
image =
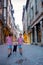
point(18, 9)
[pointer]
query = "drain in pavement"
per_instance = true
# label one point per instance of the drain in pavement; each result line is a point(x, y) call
point(22, 61)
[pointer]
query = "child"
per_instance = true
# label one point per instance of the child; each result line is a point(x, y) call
point(9, 43)
point(15, 45)
point(20, 41)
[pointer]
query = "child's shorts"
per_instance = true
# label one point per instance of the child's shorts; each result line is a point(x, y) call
point(9, 46)
point(19, 46)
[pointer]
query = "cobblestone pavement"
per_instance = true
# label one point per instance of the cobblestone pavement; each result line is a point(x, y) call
point(32, 55)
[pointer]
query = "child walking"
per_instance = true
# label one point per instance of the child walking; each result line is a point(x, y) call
point(20, 41)
point(15, 45)
point(9, 43)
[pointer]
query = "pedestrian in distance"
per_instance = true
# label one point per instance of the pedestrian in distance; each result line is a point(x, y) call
point(15, 45)
point(20, 42)
point(9, 43)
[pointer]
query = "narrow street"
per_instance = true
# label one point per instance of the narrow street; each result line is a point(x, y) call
point(21, 21)
point(32, 55)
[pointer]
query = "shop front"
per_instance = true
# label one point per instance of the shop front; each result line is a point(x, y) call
point(1, 33)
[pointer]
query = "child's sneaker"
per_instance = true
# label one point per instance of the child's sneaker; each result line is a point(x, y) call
point(20, 53)
point(9, 55)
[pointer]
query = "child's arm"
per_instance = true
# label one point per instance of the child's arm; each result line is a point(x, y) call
point(23, 41)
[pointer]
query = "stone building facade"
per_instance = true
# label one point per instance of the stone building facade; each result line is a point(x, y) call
point(34, 10)
point(3, 19)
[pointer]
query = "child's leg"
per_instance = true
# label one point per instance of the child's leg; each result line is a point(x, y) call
point(20, 50)
point(9, 50)
point(15, 48)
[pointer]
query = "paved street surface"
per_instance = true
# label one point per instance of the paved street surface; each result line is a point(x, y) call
point(32, 55)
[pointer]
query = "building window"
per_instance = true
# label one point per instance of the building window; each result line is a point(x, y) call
point(42, 3)
point(0, 0)
point(0, 3)
point(9, 20)
point(42, 22)
point(5, 12)
point(36, 10)
point(4, 3)
point(32, 13)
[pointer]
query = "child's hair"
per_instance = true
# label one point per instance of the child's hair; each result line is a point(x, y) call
point(10, 34)
point(20, 33)
point(15, 36)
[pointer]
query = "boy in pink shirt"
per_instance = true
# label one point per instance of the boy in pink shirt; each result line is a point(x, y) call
point(9, 43)
point(20, 42)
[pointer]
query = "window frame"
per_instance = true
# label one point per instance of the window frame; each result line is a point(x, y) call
point(36, 9)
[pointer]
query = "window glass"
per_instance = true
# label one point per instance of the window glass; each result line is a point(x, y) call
point(0, 3)
point(32, 13)
point(4, 3)
point(0, 0)
point(36, 9)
